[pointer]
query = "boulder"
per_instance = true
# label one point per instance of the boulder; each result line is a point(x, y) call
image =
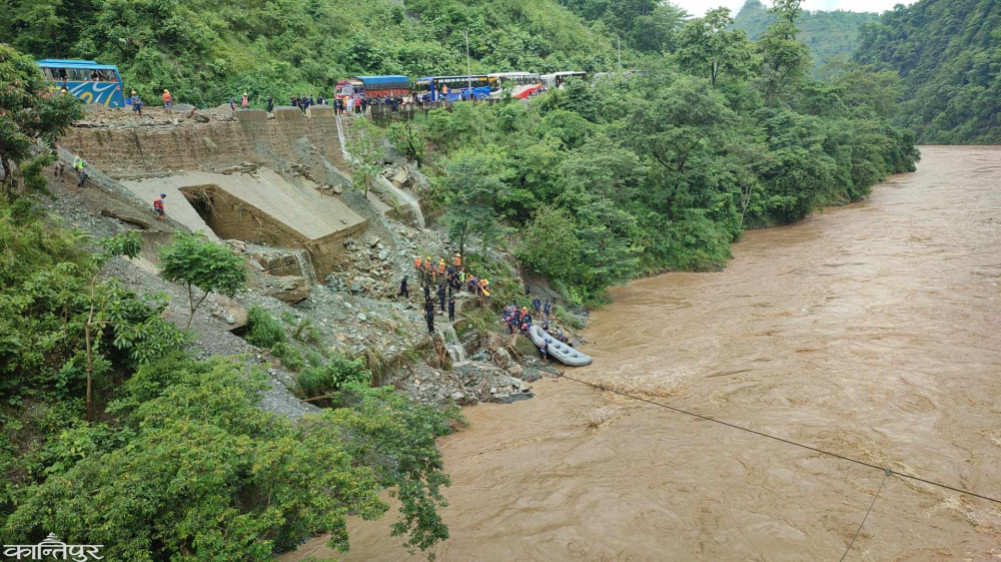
point(502, 358)
point(233, 312)
point(290, 289)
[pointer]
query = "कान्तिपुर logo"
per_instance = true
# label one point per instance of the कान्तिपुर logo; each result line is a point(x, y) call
point(52, 548)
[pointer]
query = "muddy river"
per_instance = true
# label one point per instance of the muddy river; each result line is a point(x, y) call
point(871, 330)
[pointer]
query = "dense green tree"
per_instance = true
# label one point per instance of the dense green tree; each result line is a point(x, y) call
point(830, 36)
point(30, 114)
point(948, 55)
point(198, 262)
point(474, 190)
point(707, 47)
point(784, 59)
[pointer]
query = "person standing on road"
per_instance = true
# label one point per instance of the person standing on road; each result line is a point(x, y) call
point(158, 207)
point(168, 101)
point(137, 104)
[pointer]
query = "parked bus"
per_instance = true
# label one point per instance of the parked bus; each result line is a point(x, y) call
point(86, 80)
point(521, 84)
point(556, 79)
point(455, 88)
point(373, 87)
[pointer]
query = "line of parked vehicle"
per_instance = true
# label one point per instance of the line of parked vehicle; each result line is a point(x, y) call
point(519, 85)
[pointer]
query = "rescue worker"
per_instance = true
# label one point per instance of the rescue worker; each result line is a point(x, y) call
point(403, 288)
point(168, 101)
point(137, 104)
point(441, 296)
point(451, 309)
point(81, 175)
point(158, 207)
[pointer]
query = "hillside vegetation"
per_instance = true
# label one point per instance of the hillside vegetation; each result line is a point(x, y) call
point(831, 36)
point(597, 184)
point(206, 51)
point(948, 54)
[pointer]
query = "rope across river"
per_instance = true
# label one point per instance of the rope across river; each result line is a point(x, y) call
point(782, 440)
point(887, 472)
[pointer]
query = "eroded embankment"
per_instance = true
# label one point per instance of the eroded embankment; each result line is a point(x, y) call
point(871, 330)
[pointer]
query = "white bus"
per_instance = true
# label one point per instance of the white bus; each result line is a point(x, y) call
point(521, 84)
point(556, 79)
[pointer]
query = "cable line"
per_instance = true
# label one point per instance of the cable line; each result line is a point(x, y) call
point(859, 530)
point(781, 439)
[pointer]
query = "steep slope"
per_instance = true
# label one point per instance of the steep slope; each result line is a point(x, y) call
point(206, 51)
point(949, 56)
point(828, 34)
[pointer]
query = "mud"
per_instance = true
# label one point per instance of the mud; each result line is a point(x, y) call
point(870, 330)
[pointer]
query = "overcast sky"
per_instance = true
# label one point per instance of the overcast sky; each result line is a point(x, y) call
point(699, 7)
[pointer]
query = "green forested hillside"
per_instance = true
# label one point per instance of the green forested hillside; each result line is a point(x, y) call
point(829, 35)
point(644, 25)
point(601, 183)
point(948, 54)
point(208, 50)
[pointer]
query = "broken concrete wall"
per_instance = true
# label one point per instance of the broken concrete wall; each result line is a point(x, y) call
point(230, 217)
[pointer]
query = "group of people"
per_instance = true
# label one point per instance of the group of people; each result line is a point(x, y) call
point(521, 319)
point(445, 280)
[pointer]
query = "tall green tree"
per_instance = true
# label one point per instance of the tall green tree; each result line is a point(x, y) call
point(708, 46)
point(30, 115)
point(473, 191)
point(198, 262)
point(784, 59)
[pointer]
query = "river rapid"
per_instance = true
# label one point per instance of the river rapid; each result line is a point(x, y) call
point(871, 330)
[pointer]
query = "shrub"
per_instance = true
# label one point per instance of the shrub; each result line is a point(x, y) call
point(339, 371)
point(263, 330)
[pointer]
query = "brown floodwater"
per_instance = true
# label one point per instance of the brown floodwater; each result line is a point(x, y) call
point(871, 330)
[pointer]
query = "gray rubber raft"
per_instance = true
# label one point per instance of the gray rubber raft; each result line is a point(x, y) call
point(559, 350)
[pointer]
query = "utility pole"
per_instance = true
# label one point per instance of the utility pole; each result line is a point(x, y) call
point(469, 69)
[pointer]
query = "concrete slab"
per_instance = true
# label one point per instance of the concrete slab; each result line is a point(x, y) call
point(298, 206)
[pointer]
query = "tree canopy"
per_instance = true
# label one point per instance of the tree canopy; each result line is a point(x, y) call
point(948, 55)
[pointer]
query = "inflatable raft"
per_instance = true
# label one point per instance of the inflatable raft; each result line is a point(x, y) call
point(557, 349)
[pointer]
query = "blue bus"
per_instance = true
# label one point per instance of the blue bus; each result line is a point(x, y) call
point(455, 88)
point(86, 80)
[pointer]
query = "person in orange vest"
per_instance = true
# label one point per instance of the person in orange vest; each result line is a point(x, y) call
point(168, 101)
point(158, 207)
point(420, 272)
point(441, 267)
point(458, 261)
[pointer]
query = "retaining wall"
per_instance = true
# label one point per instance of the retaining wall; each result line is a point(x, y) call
point(141, 151)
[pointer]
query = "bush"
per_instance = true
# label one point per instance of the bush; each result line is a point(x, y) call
point(338, 372)
point(290, 357)
point(263, 330)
